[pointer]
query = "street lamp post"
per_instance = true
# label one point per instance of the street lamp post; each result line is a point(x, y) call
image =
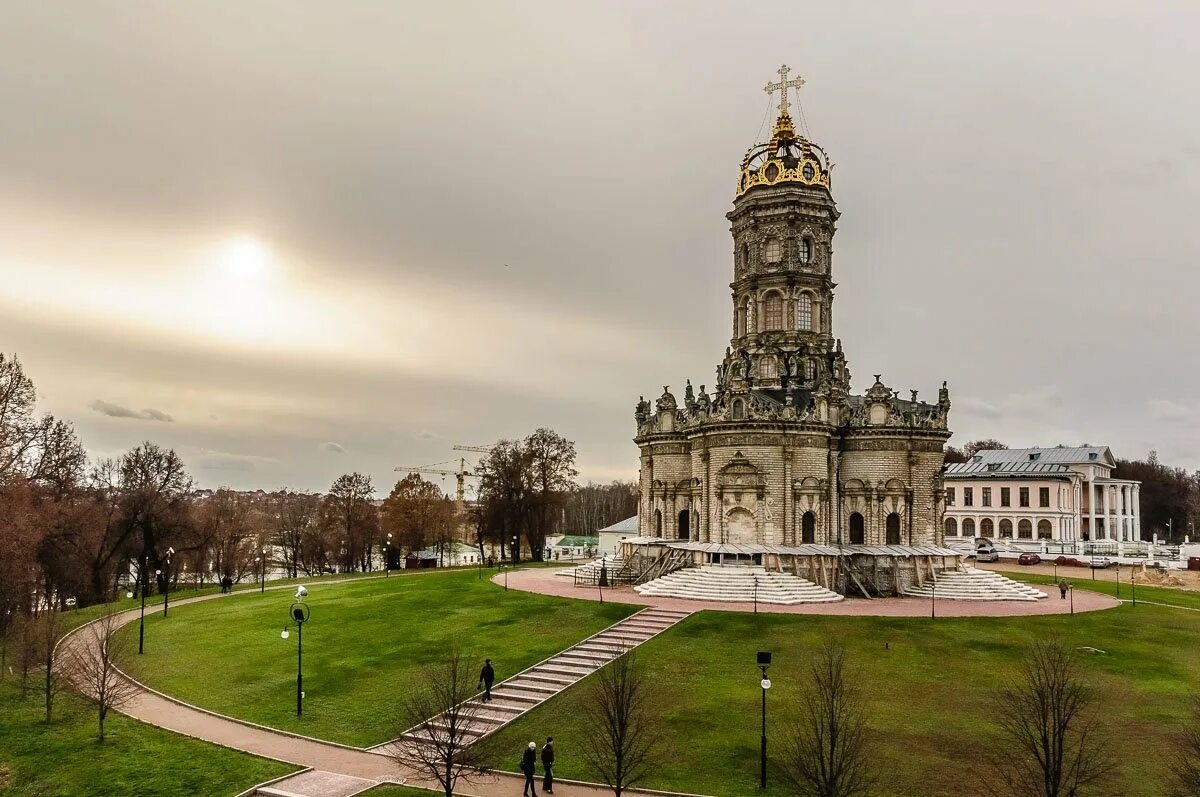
point(764, 661)
point(1118, 580)
point(299, 613)
point(142, 620)
point(756, 595)
point(933, 599)
point(262, 586)
point(1133, 583)
point(387, 556)
point(166, 574)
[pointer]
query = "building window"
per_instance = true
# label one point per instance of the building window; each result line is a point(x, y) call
point(808, 528)
point(771, 250)
point(1044, 497)
point(893, 529)
point(804, 312)
point(805, 250)
point(1024, 496)
point(773, 311)
point(986, 497)
point(1045, 531)
point(1024, 529)
point(657, 522)
point(810, 369)
point(951, 527)
point(1006, 529)
point(743, 314)
point(968, 527)
point(949, 496)
point(986, 527)
point(768, 367)
point(858, 528)
point(968, 496)
point(745, 256)
point(1005, 496)
point(739, 410)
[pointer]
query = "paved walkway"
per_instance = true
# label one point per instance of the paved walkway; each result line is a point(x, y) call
point(546, 583)
point(332, 770)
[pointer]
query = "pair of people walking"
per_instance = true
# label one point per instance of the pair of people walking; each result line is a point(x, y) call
point(529, 764)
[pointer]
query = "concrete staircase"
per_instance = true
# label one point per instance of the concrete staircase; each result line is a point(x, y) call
point(613, 563)
point(737, 585)
point(528, 689)
point(976, 585)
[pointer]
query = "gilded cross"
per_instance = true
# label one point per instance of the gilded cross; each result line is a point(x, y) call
point(782, 86)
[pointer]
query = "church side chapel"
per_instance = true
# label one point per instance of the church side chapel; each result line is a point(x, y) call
point(780, 465)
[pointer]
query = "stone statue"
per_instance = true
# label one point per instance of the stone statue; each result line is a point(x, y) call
point(666, 401)
point(689, 396)
point(705, 401)
point(642, 413)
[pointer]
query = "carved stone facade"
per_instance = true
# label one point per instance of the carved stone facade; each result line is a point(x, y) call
point(780, 453)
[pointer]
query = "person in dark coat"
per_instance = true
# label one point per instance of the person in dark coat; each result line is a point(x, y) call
point(486, 676)
point(528, 764)
point(548, 765)
point(1062, 589)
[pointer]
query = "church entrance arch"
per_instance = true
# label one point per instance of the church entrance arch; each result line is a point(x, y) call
point(893, 529)
point(684, 531)
point(857, 529)
point(739, 526)
point(808, 528)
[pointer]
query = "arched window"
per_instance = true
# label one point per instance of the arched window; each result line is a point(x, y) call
point(893, 529)
point(951, 527)
point(768, 367)
point(771, 251)
point(1045, 530)
point(1006, 529)
point(773, 311)
point(745, 256)
point(808, 528)
point(1024, 530)
point(857, 529)
point(739, 410)
point(743, 313)
point(810, 369)
point(804, 312)
point(969, 527)
point(805, 250)
point(683, 531)
point(986, 528)
point(657, 522)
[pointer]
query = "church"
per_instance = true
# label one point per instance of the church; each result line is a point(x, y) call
point(781, 453)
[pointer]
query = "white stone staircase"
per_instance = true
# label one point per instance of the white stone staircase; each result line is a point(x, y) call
point(613, 563)
point(734, 584)
point(529, 688)
point(972, 584)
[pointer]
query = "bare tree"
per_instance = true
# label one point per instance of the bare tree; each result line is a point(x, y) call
point(1055, 745)
point(90, 667)
point(441, 715)
point(620, 746)
point(1185, 772)
point(825, 744)
point(44, 631)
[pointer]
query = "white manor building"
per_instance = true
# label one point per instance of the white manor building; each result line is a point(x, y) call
point(1061, 494)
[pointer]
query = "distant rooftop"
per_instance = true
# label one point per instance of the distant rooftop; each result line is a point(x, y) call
point(1031, 461)
point(626, 526)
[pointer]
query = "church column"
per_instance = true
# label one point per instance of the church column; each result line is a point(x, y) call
point(1137, 511)
point(1091, 488)
point(788, 531)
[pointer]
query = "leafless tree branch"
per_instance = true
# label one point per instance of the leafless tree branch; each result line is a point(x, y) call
point(621, 745)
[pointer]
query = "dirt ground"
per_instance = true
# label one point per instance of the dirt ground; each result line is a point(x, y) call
point(1179, 579)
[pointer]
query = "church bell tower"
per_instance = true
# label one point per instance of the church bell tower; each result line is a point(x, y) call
point(783, 221)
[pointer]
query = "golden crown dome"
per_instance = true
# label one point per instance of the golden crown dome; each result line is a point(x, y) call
point(788, 157)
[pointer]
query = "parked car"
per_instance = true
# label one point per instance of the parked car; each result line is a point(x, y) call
point(1029, 559)
point(986, 552)
point(1101, 562)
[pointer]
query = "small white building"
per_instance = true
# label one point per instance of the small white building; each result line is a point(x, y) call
point(1062, 494)
point(610, 537)
point(455, 554)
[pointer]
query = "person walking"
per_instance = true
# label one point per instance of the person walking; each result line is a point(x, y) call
point(528, 763)
point(1062, 588)
point(548, 765)
point(486, 676)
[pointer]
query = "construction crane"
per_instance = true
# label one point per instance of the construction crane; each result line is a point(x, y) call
point(461, 474)
point(480, 449)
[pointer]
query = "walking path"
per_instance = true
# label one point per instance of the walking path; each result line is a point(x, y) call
point(334, 770)
point(546, 583)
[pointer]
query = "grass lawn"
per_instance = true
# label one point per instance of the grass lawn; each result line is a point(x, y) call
point(64, 758)
point(931, 688)
point(363, 648)
point(399, 791)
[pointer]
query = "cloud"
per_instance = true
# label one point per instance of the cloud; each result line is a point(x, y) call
point(1170, 411)
point(335, 448)
point(426, 434)
point(118, 411)
point(229, 461)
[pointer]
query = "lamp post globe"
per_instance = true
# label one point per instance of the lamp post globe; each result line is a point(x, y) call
point(298, 613)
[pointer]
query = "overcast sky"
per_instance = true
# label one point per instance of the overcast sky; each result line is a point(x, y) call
point(294, 239)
